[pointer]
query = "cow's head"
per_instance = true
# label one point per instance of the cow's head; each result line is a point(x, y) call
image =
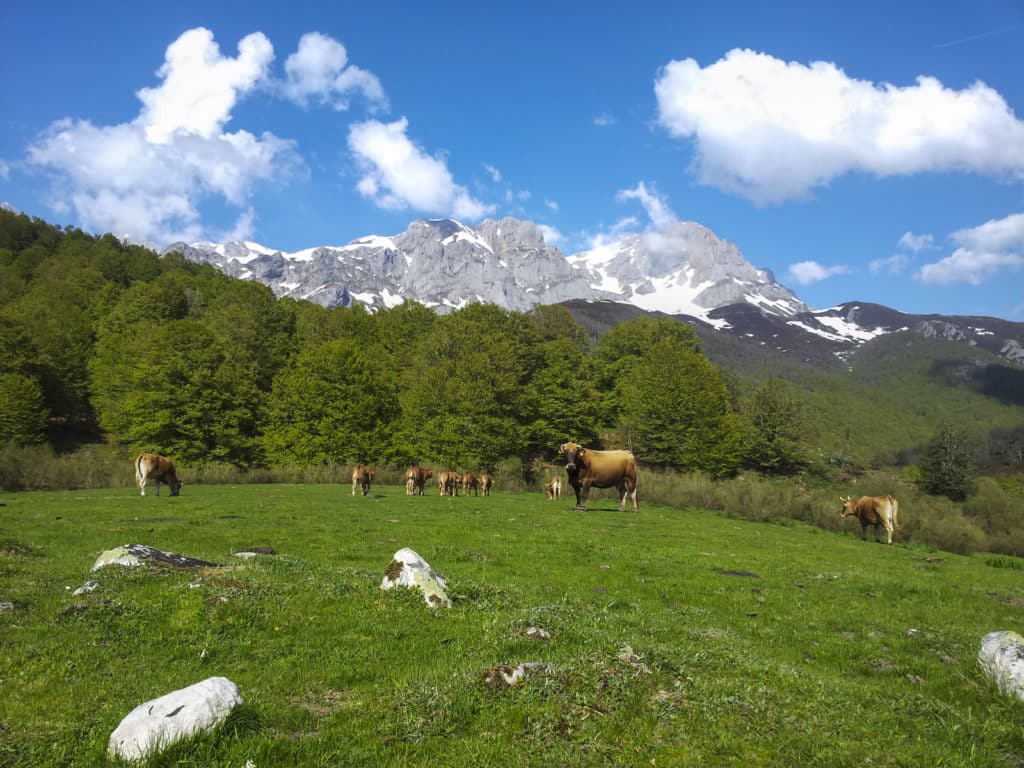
point(573, 453)
point(175, 485)
point(428, 474)
point(848, 508)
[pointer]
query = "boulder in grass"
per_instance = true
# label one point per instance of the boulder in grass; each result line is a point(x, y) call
point(408, 569)
point(134, 555)
point(1002, 657)
point(153, 726)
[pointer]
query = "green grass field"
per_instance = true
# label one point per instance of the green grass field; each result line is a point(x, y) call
point(678, 637)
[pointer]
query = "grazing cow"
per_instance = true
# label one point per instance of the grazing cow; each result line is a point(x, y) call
point(470, 482)
point(872, 510)
point(362, 477)
point(448, 483)
point(554, 488)
point(416, 479)
point(486, 482)
point(150, 466)
point(588, 468)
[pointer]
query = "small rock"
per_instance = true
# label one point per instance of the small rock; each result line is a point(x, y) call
point(134, 555)
point(408, 569)
point(911, 632)
point(6, 605)
point(508, 675)
point(154, 725)
point(1002, 657)
point(537, 633)
point(245, 554)
point(89, 586)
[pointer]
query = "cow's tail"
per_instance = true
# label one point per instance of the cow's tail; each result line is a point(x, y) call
point(138, 470)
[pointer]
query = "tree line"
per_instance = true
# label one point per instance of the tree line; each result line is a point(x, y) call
point(156, 353)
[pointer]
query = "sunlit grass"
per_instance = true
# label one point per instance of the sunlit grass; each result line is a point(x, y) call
point(677, 636)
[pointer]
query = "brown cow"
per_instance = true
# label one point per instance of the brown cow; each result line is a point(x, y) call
point(470, 482)
point(362, 477)
point(554, 488)
point(486, 483)
point(448, 483)
point(872, 510)
point(415, 480)
point(150, 466)
point(588, 468)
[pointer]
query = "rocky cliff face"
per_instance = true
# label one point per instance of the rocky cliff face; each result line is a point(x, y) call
point(446, 264)
point(685, 270)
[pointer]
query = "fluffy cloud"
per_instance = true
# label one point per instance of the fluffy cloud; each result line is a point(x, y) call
point(146, 179)
point(399, 174)
point(5, 171)
point(984, 251)
point(654, 204)
point(770, 130)
point(200, 87)
point(319, 69)
point(807, 272)
point(603, 120)
point(552, 236)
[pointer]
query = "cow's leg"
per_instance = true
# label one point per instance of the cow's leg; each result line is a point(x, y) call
point(864, 531)
point(632, 494)
point(158, 486)
point(142, 484)
point(621, 488)
point(584, 494)
point(877, 540)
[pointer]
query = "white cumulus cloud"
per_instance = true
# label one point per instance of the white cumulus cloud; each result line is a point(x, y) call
point(320, 69)
point(397, 173)
point(200, 87)
point(146, 179)
point(807, 272)
point(771, 130)
point(984, 251)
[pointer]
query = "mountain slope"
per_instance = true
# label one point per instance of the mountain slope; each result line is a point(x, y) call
point(683, 271)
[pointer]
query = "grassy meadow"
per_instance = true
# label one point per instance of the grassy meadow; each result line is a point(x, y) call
point(678, 637)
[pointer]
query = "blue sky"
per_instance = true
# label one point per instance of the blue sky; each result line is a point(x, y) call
point(867, 151)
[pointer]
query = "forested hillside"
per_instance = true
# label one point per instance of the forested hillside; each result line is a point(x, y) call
point(106, 342)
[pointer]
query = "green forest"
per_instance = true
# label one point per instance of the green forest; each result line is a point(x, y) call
point(108, 341)
point(110, 345)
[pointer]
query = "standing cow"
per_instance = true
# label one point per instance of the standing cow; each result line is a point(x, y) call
point(149, 466)
point(588, 468)
point(448, 483)
point(362, 477)
point(486, 483)
point(416, 479)
point(554, 488)
point(872, 510)
point(470, 482)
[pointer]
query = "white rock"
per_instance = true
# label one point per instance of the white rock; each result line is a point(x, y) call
point(1002, 657)
point(408, 569)
point(134, 555)
point(89, 586)
point(154, 725)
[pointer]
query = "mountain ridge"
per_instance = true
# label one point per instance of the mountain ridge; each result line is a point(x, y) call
point(682, 271)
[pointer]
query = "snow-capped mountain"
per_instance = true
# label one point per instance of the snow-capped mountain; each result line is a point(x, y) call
point(445, 264)
point(683, 271)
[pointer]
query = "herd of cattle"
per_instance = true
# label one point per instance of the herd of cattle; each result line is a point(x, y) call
point(585, 468)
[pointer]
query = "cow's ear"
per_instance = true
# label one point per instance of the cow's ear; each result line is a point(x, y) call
point(581, 451)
